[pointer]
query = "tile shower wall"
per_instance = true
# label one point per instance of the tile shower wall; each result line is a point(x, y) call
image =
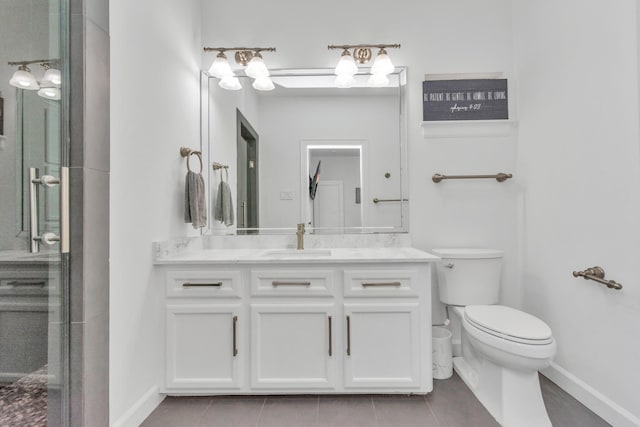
point(89, 173)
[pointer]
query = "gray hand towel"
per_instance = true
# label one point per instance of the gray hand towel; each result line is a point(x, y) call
point(195, 207)
point(224, 204)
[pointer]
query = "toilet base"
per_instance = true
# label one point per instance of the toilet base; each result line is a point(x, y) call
point(512, 397)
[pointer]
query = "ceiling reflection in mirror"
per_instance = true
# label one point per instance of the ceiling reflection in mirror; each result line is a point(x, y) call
point(308, 152)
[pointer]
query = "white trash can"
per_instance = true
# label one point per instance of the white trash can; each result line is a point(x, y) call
point(442, 363)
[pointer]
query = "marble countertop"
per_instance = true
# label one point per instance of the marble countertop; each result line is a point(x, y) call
point(292, 256)
point(19, 257)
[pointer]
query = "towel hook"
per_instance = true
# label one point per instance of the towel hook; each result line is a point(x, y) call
point(188, 152)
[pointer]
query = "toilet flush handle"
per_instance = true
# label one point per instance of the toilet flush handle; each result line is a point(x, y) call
point(449, 265)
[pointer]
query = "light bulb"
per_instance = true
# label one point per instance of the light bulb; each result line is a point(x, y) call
point(344, 81)
point(263, 83)
point(230, 83)
point(256, 67)
point(378, 80)
point(52, 77)
point(23, 79)
point(220, 67)
point(346, 65)
point(50, 93)
point(382, 64)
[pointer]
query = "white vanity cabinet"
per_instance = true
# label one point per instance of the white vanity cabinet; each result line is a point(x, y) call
point(285, 326)
point(204, 325)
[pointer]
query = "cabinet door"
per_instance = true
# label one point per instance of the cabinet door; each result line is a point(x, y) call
point(202, 347)
point(292, 346)
point(382, 346)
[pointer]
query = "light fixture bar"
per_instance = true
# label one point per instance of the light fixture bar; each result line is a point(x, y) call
point(34, 61)
point(363, 46)
point(254, 49)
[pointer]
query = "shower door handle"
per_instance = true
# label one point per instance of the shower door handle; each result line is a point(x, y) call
point(48, 181)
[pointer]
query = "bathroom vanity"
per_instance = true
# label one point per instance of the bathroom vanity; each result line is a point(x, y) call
point(260, 321)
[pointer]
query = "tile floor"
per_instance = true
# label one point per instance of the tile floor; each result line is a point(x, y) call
point(450, 405)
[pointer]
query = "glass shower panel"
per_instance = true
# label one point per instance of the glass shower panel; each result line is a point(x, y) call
point(34, 321)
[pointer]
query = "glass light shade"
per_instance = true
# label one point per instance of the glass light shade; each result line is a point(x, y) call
point(221, 68)
point(52, 77)
point(230, 83)
point(256, 68)
point(23, 79)
point(346, 66)
point(378, 80)
point(263, 83)
point(50, 93)
point(345, 81)
point(382, 65)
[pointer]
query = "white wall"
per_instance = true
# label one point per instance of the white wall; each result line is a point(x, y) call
point(579, 159)
point(155, 49)
point(436, 37)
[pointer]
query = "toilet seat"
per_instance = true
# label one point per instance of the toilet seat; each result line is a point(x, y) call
point(508, 324)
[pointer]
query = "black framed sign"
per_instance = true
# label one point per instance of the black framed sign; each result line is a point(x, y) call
point(467, 99)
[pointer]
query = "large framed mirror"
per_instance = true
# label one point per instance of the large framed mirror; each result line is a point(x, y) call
point(307, 152)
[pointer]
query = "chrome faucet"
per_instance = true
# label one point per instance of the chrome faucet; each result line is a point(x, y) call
point(300, 236)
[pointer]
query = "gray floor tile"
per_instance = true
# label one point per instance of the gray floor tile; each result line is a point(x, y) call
point(564, 410)
point(403, 411)
point(454, 405)
point(232, 411)
point(451, 404)
point(178, 411)
point(280, 411)
point(352, 411)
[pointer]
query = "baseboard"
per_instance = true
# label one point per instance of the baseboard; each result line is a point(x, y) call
point(141, 409)
point(604, 407)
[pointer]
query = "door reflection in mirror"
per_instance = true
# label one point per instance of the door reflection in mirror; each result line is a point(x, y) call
point(333, 208)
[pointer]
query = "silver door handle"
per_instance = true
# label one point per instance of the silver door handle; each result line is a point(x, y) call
point(48, 238)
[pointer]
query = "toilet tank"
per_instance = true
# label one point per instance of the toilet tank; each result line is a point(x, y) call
point(469, 276)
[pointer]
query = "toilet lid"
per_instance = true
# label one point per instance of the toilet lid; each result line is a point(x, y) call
point(508, 323)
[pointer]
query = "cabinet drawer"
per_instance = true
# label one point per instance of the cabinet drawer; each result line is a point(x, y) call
point(387, 283)
point(304, 283)
point(214, 283)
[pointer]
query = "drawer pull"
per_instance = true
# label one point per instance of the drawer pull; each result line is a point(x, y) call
point(195, 285)
point(330, 339)
point(280, 283)
point(348, 336)
point(373, 284)
point(235, 332)
point(17, 283)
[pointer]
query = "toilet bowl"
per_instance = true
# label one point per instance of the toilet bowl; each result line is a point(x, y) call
point(502, 349)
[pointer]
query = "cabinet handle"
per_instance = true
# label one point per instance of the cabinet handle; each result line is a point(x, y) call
point(280, 283)
point(193, 285)
point(235, 332)
point(370, 284)
point(348, 336)
point(330, 338)
point(17, 283)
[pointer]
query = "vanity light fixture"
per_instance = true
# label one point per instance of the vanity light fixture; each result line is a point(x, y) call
point(245, 56)
point(23, 79)
point(347, 68)
point(48, 86)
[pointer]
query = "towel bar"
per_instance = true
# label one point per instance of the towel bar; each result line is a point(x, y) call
point(500, 177)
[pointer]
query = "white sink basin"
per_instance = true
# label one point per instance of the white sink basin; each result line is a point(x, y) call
point(298, 253)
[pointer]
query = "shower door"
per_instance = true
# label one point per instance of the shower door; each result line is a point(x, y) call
point(34, 343)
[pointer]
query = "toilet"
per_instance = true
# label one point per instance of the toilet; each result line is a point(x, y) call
point(497, 350)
